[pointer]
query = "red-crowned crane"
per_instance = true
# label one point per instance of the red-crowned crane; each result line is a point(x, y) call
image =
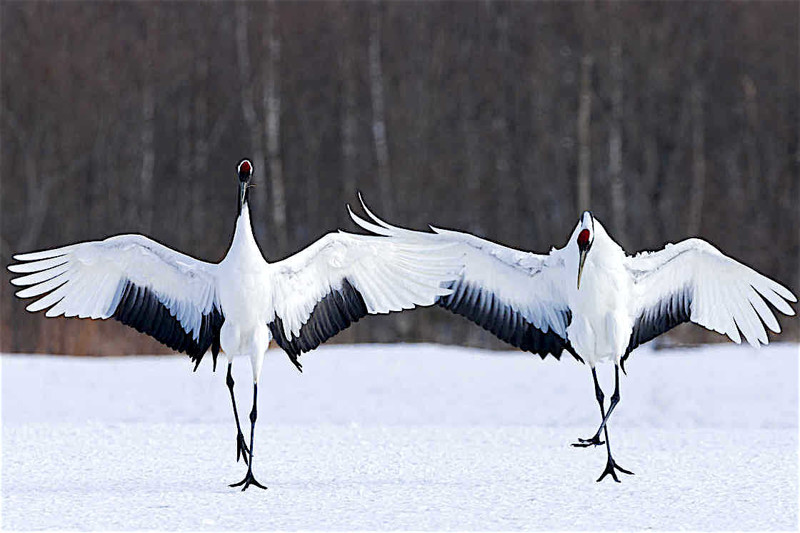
point(596, 302)
point(241, 303)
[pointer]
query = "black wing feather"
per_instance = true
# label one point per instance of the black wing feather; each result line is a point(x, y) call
point(669, 312)
point(487, 310)
point(335, 312)
point(140, 308)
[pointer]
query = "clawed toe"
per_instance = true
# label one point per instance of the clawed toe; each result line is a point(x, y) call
point(247, 481)
point(241, 449)
point(611, 466)
point(584, 443)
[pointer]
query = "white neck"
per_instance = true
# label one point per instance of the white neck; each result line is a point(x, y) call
point(243, 239)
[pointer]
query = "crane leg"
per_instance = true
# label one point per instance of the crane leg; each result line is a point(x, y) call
point(241, 447)
point(595, 440)
point(611, 465)
point(248, 478)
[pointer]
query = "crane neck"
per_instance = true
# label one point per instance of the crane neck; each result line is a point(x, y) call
point(244, 196)
point(243, 233)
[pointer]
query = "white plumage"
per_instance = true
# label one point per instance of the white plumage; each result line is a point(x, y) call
point(726, 296)
point(593, 300)
point(87, 279)
point(243, 302)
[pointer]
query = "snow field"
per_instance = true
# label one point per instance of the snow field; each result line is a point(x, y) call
point(402, 437)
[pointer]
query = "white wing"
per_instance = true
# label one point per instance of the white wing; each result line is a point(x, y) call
point(342, 277)
point(511, 293)
point(692, 280)
point(139, 282)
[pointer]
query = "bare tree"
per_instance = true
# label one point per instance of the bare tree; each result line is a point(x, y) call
point(148, 149)
point(40, 182)
point(347, 119)
point(697, 194)
point(796, 167)
point(749, 137)
point(696, 104)
point(246, 77)
point(615, 129)
point(272, 109)
point(507, 190)
point(199, 145)
point(378, 110)
point(584, 134)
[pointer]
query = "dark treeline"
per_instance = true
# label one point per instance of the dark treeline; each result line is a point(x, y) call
point(505, 119)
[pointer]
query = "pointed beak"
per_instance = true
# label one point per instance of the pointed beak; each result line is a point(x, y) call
point(580, 267)
point(242, 191)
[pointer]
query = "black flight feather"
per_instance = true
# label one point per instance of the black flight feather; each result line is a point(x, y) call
point(335, 312)
point(487, 310)
point(140, 308)
point(667, 313)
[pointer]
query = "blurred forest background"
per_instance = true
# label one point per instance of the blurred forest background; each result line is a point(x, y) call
point(506, 119)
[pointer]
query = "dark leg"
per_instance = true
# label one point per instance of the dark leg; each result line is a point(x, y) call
point(611, 466)
point(614, 401)
point(241, 447)
point(248, 478)
point(594, 441)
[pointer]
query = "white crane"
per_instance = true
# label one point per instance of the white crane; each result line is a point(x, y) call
point(598, 303)
point(241, 303)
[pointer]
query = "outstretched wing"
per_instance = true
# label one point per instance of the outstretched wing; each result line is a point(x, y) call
point(693, 281)
point(324, 288)
point(143, 284)
point(511, 293)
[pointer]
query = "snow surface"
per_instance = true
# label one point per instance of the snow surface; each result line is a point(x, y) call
point(415, 437)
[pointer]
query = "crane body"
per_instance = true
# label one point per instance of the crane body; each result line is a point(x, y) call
point(598, 303)
point(240, 304)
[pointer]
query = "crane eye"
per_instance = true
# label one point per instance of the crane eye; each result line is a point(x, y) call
point(583, 238)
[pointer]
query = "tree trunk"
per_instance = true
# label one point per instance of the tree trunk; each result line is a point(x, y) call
point(200, 147)
point(797, 200)
point(379, 112)
point(147, 169)
point(184, 129)
point(348, 118)
point(249, 111)
point(584, 178)
point(615, 132)
point(650, 177)
point(584, 135)
point(753, 180)
point(697, 194)
point(506, 187)
point(272, 110)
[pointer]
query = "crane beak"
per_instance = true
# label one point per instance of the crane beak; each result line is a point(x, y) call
point(242, 191)
point(580, 266)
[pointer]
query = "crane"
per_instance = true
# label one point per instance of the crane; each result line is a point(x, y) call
point(596, 302)
point(239, 304)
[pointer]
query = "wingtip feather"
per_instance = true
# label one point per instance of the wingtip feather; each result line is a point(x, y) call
point(43, 254)
point(372, 215)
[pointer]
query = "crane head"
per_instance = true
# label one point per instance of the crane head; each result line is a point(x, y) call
point(244, 169)
point(584, 240)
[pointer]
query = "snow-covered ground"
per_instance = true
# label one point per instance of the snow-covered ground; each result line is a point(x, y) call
point(402, 437)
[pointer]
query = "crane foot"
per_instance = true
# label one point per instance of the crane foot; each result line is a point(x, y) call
point(610, 467)
point(594, 441)
point(247, 481)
